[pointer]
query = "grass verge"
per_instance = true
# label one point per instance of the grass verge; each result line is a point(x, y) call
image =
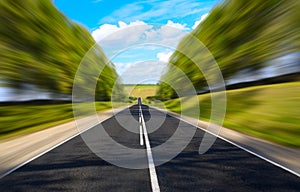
point(270, 112)
point(16, 120)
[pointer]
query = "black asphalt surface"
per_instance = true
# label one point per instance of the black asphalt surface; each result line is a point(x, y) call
point(74, 167)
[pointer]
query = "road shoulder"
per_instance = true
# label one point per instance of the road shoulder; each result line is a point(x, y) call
point(19, 151)
point(284, 157)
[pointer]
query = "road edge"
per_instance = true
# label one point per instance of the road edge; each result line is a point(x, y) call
point(280, 156)
point(11, 162)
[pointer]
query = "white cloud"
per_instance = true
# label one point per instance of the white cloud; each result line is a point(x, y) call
point(141, 71)
point(148, 60)
point(108, 30)
point(199, 21)
point(164, 56)
point(127, 34)
point(103, 31)
point(177, 25)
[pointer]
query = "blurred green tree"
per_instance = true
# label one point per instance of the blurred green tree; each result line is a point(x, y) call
point(241, 35)
point(42, 47)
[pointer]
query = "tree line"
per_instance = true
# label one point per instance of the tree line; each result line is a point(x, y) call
point(42, 47)
point(241, 35)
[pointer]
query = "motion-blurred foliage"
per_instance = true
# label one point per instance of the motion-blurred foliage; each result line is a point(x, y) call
point(42, 47)
point(241, 35)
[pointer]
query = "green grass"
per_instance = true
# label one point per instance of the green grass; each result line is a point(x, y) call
point(271, 112)
point(16, 120)
point(142, 91)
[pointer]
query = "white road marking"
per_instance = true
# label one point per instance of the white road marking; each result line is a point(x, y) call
point(51, 148)
point(141, 129)
point(153, 175)
point(239, 146)
point(141, 135)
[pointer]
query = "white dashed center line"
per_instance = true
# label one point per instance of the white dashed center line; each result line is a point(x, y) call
point(153, 175)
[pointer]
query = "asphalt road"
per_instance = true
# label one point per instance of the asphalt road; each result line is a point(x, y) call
point(74, 167)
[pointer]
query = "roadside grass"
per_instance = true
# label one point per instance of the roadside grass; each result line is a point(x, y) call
point(270, 112)
point(142, 91)
point(16, 120)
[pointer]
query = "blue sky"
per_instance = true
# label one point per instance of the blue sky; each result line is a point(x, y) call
point(116, 24)
point(93, 13)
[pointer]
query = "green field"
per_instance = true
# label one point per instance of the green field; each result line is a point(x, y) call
point(142, 91)
point(271, 112)
point(16, 120)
